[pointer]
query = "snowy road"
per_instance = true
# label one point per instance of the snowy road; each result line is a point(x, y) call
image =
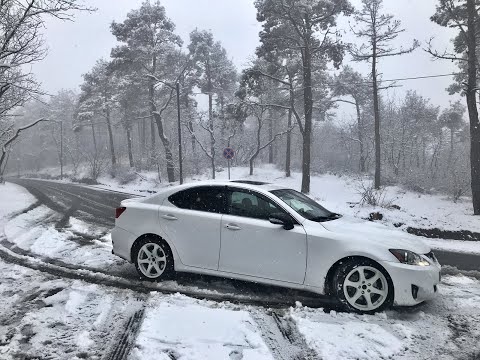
point(96, 207)
point(48, 317)
point(63, 295)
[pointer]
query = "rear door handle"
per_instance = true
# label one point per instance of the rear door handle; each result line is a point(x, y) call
point(169, 217)
point(233, 227)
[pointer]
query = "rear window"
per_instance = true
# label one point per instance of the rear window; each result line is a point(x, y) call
point(208, 199)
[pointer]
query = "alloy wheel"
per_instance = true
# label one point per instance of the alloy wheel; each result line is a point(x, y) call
point(365, 288)
point(152, 260)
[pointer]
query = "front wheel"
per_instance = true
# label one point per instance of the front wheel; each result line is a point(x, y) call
point(363, 286)
point(153, 260)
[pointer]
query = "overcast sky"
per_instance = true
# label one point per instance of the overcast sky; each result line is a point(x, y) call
point(75, 46)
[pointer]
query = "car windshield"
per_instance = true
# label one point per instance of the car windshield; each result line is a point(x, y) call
point(305, 206)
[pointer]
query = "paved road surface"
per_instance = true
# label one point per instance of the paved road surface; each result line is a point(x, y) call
point(97, 207)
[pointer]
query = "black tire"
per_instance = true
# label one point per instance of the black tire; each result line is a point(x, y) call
point(160, 247)
point(366, 288)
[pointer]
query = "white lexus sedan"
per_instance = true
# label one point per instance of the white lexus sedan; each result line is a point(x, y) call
point(274, 235)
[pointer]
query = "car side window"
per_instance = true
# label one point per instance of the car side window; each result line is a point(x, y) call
point(250, 204)
point(205, 198)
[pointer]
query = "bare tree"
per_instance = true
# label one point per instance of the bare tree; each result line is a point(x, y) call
point(6, 145)
point(21, 44)
point(377, 31)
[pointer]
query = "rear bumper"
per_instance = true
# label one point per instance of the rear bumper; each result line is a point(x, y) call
point(122, 242)
point(413, 284)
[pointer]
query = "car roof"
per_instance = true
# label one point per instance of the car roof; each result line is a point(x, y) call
point(244, 184)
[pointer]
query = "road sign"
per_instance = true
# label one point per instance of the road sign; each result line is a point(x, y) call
point(228, 153)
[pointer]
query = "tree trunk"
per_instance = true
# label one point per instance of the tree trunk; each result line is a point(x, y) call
point(192, 137)
point(376, 110)
point(194, 149)
point(360, 137)
point(166, 144)
point(223, 123)
point(257, 151)
point(141, 140)
point(472, 107)
point(129, 145)
point(153, 147)
point(110, 138)
point(424, 152)
point(450, 158)
point(288, 156)
point(151, 98)
point(307, 131)
point(94, 140)
point(212, 135)
point(270, 134)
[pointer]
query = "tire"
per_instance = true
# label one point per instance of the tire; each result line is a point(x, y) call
point(153, 259)
point(362, 286)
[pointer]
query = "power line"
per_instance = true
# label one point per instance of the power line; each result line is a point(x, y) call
point(424, 77)
point(370, 83)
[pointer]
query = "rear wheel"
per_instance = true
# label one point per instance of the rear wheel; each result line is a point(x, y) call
point(153, 259)
point(363, 286)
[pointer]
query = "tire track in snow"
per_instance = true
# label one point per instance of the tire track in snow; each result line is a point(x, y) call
point(281, 335)
point(99, 278)
point(122, 346)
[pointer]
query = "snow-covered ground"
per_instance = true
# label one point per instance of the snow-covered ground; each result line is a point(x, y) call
point(13, 198)
point(342, 194)
point(200, 330)
point(447, 328)
point(48, 316)
point(44, 317)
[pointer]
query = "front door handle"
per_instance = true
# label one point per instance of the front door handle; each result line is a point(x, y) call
point(169, 217)
point(233, 227)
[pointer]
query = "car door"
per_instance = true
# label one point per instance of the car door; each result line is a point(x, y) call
point(191, 219)
point(251, 245)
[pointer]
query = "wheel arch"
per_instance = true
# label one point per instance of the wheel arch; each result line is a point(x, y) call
point(171, 248)
point(329, 277)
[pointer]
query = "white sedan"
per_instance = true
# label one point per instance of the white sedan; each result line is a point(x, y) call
point(274, 235)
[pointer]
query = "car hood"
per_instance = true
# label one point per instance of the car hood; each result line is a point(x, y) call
point(371, 232)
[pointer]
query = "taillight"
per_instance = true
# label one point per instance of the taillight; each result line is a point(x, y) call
point(119, 211)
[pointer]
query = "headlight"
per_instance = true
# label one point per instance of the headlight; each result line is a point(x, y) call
point(409, 257)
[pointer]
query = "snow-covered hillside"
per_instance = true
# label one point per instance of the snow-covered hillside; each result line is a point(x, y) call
point(342, 194)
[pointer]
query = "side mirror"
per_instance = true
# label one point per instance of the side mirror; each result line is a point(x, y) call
point(281, 219)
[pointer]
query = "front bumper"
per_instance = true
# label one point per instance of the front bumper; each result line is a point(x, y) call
point(413, 284)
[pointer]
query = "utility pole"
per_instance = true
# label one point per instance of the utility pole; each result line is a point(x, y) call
point(179, 134)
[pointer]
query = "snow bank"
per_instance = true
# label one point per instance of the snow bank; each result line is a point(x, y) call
point(342, 194)
point(447, 327)
point(35, 231)
point(13, 198)
point(349, 340)
point(190, 329)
